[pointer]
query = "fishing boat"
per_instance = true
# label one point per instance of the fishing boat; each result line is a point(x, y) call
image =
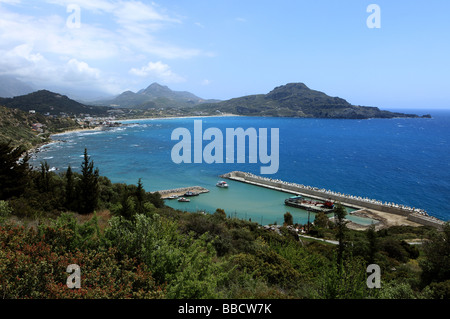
point(189, 194)
point(172, 197)
point(182, 199)
point(222, 184)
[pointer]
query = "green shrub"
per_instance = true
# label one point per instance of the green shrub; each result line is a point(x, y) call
point(5, 210)
point(265, 263)
point(31, 267)
point(184, 262)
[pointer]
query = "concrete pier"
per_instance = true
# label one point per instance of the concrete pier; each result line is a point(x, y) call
point(181, 191)
point(413, 215)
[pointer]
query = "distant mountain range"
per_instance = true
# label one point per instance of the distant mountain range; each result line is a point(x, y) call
point(10, 87)
point(153, 96)
point(290, 100)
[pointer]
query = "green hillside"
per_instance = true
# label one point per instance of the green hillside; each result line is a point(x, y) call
point(53, 103)
point(296, 100)
point(17, 125)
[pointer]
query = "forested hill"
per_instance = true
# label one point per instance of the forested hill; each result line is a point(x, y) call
point(44, 101)
point(297, 100)
point(17, 126)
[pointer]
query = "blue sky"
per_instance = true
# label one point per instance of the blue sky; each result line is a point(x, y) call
point(225, 49)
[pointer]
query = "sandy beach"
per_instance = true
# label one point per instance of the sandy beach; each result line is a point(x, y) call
point(78, 130)
point(175, 117)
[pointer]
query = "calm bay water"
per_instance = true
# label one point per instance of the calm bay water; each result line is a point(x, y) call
point(406, 161)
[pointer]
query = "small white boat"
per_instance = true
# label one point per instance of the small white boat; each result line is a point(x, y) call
point(182, 199)
point(222, 184)
point(172, 197)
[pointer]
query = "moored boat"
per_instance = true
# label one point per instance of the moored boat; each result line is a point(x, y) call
point(182, 199)
point(222, 184)
point(189, 193)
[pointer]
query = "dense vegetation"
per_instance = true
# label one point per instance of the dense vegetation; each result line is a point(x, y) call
point(128, 244)
point(16, 126)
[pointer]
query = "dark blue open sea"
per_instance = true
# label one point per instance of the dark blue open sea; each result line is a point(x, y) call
point(405, 161)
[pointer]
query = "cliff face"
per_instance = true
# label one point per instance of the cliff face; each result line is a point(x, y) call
point(297, 100)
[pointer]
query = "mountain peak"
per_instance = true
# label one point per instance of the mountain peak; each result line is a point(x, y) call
point(157, 85)
point(296, 85)
point(156, 93)
point(292, 90)
point(155, 88)
point(291, 87)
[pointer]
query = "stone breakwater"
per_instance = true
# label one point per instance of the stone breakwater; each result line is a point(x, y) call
point(181, 191)
point(411, 213)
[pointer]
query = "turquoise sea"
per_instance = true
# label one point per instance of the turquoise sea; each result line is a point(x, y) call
point(405, 161)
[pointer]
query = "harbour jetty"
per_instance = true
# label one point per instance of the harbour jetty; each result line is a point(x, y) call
point(415, 215)
point(165, 194)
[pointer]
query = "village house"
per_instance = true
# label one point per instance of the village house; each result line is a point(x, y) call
point(38, 127)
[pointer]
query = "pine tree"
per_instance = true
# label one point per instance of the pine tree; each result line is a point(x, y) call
point(140, 194)
point(70, 190)
point(373, 244)
point(14, 170)
point(321, 220)
point(88, 186)
point(44, 177)
point(339, 217)
point(288, 219)
point(127, 209)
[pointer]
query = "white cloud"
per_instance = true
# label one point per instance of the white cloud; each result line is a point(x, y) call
point(49, 35)
point(24, 51)
point(21, 61)
point(133, 30)
point(81, 70)
point(157, 70)
point(129, 15)
point(114, 33)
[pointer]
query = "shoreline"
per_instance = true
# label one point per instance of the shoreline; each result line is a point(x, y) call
point(178, 117)
point(76, 130)
point(36, 149)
